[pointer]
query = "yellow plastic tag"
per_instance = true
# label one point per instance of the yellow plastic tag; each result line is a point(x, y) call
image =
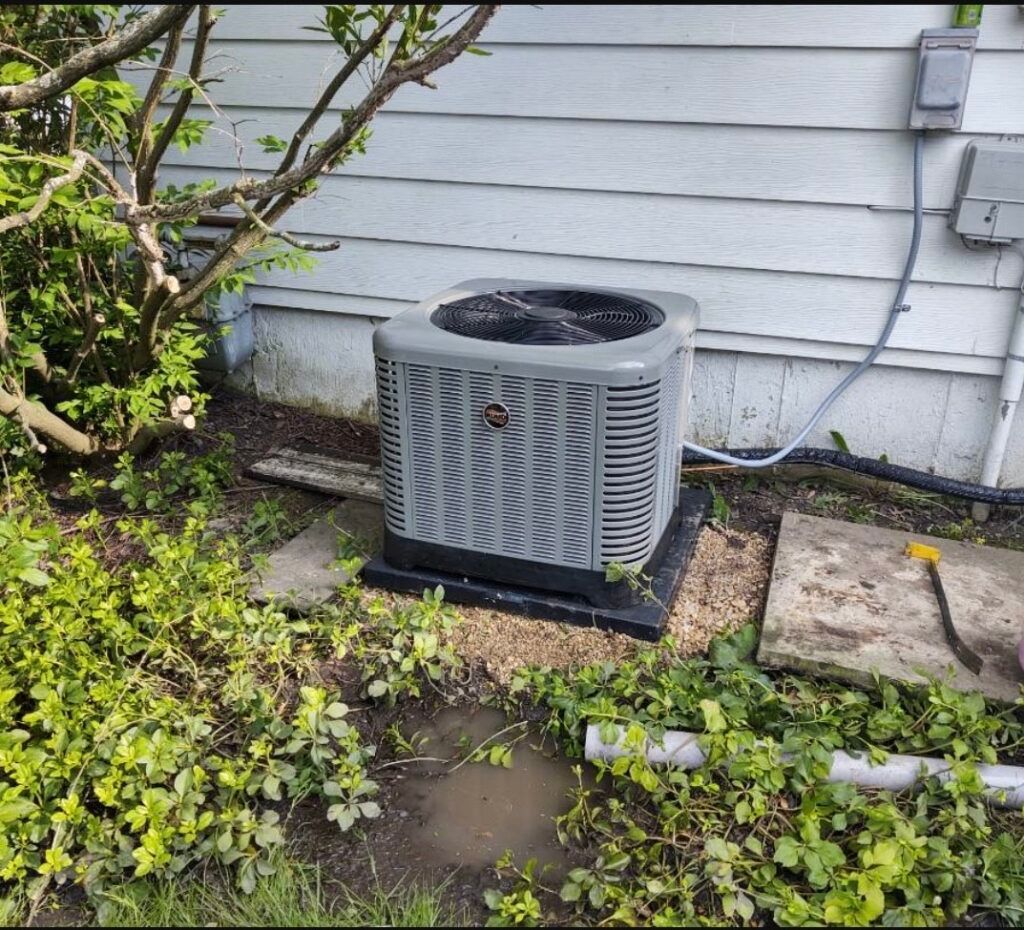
point(921, 551)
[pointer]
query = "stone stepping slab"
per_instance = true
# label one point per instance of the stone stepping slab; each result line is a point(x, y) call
point(302, 573)
point(845, 602)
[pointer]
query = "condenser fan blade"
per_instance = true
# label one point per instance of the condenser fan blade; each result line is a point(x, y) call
point(550, 317)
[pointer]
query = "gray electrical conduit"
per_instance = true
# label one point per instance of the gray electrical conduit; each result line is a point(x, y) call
point(1004, 783)
point(865, 364)
point(794, 453)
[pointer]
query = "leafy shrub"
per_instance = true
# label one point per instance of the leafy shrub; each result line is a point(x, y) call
point(174, 473)
point(399, 648)
point(148, 715)
point(757, 833)
point(99, 289)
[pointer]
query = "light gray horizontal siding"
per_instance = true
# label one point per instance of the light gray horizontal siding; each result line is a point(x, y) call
point(755, 157)
point(892, 26)
point(353, 305)
point(813, 165)
point(958, 320)
point(725, 233)
point(827, 87)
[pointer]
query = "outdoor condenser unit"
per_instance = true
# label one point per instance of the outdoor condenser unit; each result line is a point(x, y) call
point(530, 433)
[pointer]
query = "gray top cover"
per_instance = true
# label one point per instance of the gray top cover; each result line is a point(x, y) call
point(412, 337)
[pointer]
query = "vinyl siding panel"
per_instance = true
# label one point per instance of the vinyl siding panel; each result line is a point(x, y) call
point(793, 25)
point(754, 157)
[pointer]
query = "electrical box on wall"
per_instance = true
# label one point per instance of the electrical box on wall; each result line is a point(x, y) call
point(943, 73)
point(989, 204)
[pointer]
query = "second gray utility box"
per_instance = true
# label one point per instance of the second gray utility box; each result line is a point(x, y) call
point(989, 204)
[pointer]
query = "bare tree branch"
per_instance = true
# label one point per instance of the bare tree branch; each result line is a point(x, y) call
point(331, 91)
point(149, 318)
point(33, 441)
point(143, 235)
point(50, 188)
point(92, 329)
point(144, 118)
point(415, 70)
point(40, 420)
point(146, 167)
point(284, 236)
point(129, 41)
point(153, 431)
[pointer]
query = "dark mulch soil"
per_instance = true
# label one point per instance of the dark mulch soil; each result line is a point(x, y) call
point(758, 500)
point(259, 426)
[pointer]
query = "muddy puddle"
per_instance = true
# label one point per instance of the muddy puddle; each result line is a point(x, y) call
point(447, 823)
point(469, 815)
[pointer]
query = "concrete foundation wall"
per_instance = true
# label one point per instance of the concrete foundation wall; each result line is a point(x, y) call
point(924, 419)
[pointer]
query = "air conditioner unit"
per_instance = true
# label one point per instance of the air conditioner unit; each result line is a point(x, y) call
point(530, 432)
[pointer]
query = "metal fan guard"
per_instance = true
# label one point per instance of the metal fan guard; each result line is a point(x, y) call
point(555, 317)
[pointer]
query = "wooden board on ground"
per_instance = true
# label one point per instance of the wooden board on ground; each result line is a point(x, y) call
point(320, 471)
point(845, 601)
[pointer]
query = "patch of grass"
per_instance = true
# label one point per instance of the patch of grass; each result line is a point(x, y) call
point(13, 909)
point(294, 896)
point(720, 509)
point(963, 531)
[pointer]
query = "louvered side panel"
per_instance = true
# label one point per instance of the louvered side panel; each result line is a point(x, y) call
point(525, 491)
point(629, 473)
point(392, 469)
point(484, 457)
point(452, 473)
point(670, 454)
point(423, 440)
point(577, 476)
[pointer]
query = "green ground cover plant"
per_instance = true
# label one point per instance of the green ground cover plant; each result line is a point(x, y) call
point(151, 718)
point(757, 834)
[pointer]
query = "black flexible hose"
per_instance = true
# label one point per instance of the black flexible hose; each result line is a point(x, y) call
point(886, 471)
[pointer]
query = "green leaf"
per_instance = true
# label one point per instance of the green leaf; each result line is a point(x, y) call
point(839, 440)
point(370, 809)
point(570, 892)
point(16, 72)
point(272, 143)
point(34, 576)
point(787, 851)
point(714, 719)
point(16, 809)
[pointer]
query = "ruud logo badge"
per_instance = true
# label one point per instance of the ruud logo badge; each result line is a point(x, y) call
point(496, 416)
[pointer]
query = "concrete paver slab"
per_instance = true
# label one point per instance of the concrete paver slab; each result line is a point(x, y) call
point(845, 601)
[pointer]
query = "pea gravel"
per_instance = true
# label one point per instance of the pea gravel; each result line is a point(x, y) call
point(724, 588)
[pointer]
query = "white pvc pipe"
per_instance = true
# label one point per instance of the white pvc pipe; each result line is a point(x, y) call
point(1010, 391)
point(1005, 783)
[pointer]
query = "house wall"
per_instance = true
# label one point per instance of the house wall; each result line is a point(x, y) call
point(754, 157)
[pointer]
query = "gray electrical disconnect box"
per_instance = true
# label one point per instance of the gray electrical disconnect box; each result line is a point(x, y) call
point(943, 73)
point(989, 204)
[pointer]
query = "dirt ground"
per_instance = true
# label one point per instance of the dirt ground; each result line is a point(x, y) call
point(725, 585)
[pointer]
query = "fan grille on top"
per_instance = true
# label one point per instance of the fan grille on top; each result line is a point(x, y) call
point(559, 317)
